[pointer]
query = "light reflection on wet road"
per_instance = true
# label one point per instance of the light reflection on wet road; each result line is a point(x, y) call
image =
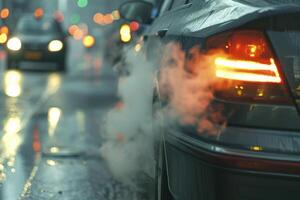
point(51, 127)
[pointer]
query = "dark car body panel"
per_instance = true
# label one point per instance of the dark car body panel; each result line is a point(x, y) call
point(205, 18)
point(39, 44)
point(226, 166)
point(191, 177)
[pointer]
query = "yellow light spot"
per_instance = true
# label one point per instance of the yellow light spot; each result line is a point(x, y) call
point(1, 167)
point(125, 33)
point(260, 92)
point(256, 148)
point(3, 38)
point(51, 162)
point(12, 125)
point(54, 115)
point(88, 41)
point(11, 139)
point(138, 47)
point(54, 82)
point(13, 83)
point(2, 177)
point(116, 15)
point(252, 50)
point(239, 90)
point(54, 149)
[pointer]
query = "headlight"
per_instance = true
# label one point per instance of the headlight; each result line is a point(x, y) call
point(14, 44)
point(55, 45)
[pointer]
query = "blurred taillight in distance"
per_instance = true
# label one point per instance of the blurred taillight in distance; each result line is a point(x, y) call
point(98, 18)
point(246, 69)
point(134, 26)
point(125, 33)
point(39, 13)
point(72, 29)
point(4, 13)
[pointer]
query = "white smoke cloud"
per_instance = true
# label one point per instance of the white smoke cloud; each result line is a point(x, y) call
point(128, 149)
point(185, 81)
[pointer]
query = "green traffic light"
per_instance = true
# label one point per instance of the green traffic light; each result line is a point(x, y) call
point(82, 3)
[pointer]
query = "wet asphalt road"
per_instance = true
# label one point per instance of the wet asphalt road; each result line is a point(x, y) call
point(51, 125)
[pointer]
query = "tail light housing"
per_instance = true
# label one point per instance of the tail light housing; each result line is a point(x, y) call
point(246, 68)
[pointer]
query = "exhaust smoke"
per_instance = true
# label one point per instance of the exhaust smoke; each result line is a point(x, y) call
point(185, 79)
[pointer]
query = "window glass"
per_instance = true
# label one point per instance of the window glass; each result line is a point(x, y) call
point(33, 26)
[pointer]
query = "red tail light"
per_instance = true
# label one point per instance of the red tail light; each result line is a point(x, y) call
point(247, 70)
point(245, 67)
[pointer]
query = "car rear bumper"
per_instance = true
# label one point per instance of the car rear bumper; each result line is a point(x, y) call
point(202, 170)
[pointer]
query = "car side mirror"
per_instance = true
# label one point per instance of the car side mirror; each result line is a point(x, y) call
point(140, 11)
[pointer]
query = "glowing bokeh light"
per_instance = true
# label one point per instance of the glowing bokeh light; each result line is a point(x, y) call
point(82, 3)
point(88, 41)
point(54, 83)
point(13, 83)
point(72, 29)
point(54, 115)
point(4, 29)
point(98, 18)
point(116, 15)
point(138, 47)
point(78, 34)
point(4, 13)
point(134, 26)
point(11, 140)
point(125, 33)
point(3, 38)
point(38, 13)
point(108, 19)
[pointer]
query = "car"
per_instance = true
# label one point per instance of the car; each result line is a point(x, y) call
point(37, 40)
point(243, 140)
point(129, 35)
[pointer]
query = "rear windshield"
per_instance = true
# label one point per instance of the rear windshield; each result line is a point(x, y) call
point(34, 26)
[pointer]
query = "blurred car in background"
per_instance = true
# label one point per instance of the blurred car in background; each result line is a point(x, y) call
point(128, 35)
point(37, 40)
point(248, 142)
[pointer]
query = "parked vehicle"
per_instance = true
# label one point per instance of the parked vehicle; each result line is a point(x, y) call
point(37, 40)
point(254, 153)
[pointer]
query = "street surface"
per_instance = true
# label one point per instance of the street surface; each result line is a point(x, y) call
point(51, 132)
